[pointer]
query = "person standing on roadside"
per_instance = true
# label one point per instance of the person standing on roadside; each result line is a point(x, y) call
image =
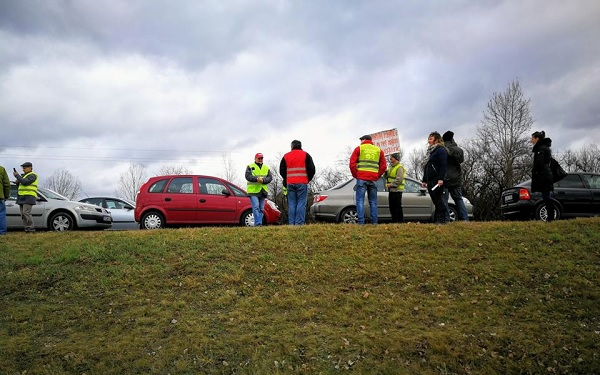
point(541, 175)
point(452, 185)
point(367, 165)
point(258, 177)
point(27, 184)
point(297, 169)
point(435, 174)
point(395, 184)
point(4, 195)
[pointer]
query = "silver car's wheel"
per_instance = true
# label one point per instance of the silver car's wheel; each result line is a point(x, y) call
point(152, 220)
point(349, 216)
point(61, 221)
point(452, 213)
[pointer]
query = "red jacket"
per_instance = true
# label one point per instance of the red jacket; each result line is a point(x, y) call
point(362, 174)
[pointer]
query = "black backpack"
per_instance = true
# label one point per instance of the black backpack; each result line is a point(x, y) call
point(557, 172)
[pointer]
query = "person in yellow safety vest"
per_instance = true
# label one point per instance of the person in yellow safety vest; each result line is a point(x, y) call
point(395, 185)
point(27, 194)
point(258, 177)
point(367, 165)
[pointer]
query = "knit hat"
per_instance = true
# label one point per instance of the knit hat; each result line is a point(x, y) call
point(366, 137)
point(448, 136)
point(396, 156)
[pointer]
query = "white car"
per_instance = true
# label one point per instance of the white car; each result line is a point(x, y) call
point(121, 210)
point(55, 212)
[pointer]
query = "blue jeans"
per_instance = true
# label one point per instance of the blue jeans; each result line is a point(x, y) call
point(370, 187)
point(258, 205)
point(456, 194)
point(2, 216)
point(296, 197)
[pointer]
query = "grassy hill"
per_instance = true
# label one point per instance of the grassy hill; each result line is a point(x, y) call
point(465, 298)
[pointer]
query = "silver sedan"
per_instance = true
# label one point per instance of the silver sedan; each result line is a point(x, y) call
point(338, 204)
point(55, 212)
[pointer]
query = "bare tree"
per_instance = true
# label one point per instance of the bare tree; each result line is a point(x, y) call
point(171, 170)
point(329, 177)
point(131, 181)
point(499, 155)
point(416, 163)
point(230, 172)
point(64, 183)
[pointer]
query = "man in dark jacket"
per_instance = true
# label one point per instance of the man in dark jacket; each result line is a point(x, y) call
point(297, 169)
point(453, 181)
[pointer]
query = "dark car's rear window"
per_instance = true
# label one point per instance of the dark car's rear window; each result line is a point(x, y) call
point(571, 181)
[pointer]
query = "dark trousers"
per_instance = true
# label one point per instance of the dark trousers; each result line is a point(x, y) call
point(395, 202)
point(437, 197)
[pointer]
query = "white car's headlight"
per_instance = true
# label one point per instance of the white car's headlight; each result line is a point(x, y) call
point(85, 208)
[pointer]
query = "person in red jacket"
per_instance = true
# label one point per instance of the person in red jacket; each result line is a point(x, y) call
point(367, 165)
point(297, 169)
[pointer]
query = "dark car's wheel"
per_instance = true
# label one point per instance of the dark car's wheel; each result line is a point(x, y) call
point(152, 220)
point(61, 221)
point(541, 213)
point(349, 216)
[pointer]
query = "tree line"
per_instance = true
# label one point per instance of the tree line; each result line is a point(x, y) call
point(497, 157)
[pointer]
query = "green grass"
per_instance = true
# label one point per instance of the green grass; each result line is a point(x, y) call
point(465, 298)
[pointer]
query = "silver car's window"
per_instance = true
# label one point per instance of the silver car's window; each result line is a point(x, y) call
point(411, 186)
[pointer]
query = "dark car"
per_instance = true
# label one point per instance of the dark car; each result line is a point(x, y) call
point(338, 204)
point(577, 195)
point(196, 200)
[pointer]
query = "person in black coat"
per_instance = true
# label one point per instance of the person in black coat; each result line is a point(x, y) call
point(541, 175)
point(435, 174)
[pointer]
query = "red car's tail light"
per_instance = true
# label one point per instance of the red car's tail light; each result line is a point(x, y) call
point(524, 194)
point(319, 198)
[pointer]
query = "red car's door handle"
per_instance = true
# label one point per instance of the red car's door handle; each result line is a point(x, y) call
point(202, 200)
point(168, 199)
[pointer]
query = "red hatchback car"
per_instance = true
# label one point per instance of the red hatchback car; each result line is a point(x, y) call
point(196, 200)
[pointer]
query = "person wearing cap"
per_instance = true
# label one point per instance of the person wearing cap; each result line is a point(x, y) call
point(367, 165)
point(258, 177)
point(27, 184)
point(435, 174)
point(4, 194)
point(452, 185)
point(395, 185)
point(297, 169)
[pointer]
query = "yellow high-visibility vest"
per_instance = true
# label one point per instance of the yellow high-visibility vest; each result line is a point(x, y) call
point(29, 189)
point(256, 187)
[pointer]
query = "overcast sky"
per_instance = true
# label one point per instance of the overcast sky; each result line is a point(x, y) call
point(92, 86)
